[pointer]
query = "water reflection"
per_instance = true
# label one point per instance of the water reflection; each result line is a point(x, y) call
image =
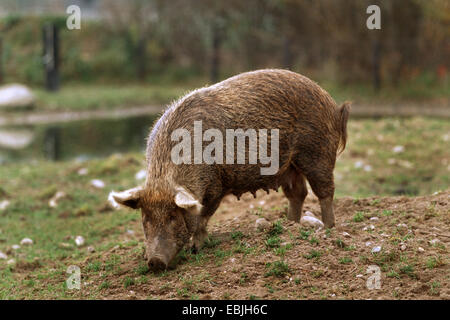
point(81, 139)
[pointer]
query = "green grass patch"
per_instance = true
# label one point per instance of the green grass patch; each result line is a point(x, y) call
point(277, 269)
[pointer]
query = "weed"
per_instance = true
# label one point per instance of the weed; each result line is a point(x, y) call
point(358, 217)
point(277, 268)
point(313, 254)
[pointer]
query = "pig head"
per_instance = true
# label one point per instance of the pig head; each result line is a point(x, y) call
point(169, 219)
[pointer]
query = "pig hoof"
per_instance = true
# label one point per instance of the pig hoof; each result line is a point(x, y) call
point(329, 225)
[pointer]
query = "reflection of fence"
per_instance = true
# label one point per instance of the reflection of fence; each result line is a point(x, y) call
point(52, 143)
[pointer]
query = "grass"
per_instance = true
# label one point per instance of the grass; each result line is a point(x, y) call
point(276, 229)
point(128, 282)
point(422, 88)
point(211, 242)
point(76, 97)
point(358, 217)
point(421, 168)
point(277, 269)
point(313, 254)
point(408, 270)
point(345, 260)
point(273, 242)
point(90, 97)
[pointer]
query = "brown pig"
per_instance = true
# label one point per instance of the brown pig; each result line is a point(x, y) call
point(183, 188)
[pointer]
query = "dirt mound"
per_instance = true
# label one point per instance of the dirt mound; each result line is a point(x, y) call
point(404, 239)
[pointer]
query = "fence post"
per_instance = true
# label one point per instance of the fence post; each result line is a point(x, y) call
point(51, 56)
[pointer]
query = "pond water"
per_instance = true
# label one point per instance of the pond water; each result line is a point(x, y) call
point(74, 140)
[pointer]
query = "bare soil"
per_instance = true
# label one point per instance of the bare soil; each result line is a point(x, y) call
point(340, 271)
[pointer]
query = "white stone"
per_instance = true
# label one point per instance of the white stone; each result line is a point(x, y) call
point(368, 243)
point(420, 249)
point(359, 276)
point(359, 164)
point(262, 224)
point(53, 202)
point(129, 231)
point(346, 234)
point(434, 241)
point(15, 247)
point(79, 241)
point(376, 249)
point(83, 171)
point(374, 219)
point(140, 175)
point(309, 214)
point(11, 262)
point(405, 164)
point(15, 95)
point(3, 256)
point(97, 183)
point(313, 222)
point(26, 241)
point(398, 149)
point(368, 168)
point(446, 137)
point(4, 204)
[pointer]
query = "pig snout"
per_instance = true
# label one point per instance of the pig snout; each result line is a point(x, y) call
point(159, 253)
point(156, 264)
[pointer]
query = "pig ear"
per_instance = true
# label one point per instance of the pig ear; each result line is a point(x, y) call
point(128, 198)
point(186, 200)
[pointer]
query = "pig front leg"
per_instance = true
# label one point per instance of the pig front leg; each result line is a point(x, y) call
point(200, 236)
point(295, 190)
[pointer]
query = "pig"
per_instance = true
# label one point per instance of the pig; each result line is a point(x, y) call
point(178, 199)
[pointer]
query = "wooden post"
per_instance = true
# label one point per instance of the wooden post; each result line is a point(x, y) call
point(51, 56)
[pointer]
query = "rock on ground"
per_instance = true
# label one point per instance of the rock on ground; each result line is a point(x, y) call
point(16, 96)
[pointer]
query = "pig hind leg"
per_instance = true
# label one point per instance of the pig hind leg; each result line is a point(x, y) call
point(295, 190)
point(321, 180)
